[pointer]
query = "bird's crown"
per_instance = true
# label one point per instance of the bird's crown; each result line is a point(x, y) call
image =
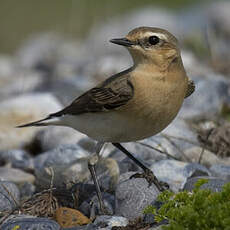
point(147, 38)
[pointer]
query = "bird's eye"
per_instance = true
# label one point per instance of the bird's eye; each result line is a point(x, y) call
point(153, 40)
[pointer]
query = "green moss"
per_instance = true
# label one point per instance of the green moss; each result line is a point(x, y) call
point(199, 209)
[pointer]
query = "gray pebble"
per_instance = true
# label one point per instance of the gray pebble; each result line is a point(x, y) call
point(62, 155)
point(195, 169)
point(222, 171)
point(214, 183)
point(111, 221)
point(54, 136)
point(212, 99)
point(18, 158)
point(6, 200)
point(133, 195)
point(30, 223)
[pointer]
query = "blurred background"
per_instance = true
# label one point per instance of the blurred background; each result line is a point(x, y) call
point(72, 18)
point(52, 51)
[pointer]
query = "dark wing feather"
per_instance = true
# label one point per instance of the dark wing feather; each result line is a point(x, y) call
point(190, 89)
point(111, 94)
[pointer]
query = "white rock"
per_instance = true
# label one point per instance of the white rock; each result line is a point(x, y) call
point(112, 221)
point(20, 110)
point(175, 173)
point(16, 176)
point(208, 158)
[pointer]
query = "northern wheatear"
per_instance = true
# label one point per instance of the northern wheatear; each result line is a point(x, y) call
point(136, 103)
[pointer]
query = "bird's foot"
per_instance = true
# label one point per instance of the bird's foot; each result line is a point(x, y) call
point(151, 179)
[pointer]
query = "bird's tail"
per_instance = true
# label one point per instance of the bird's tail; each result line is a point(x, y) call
point(37, 123)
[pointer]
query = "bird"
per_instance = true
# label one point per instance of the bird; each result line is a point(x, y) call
point(134, 104)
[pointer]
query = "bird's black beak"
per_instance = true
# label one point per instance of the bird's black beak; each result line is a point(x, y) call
point(122, 42)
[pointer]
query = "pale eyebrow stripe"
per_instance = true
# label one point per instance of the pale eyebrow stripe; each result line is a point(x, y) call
point(160, 35)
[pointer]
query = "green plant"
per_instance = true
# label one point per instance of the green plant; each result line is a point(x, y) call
point(200, 209)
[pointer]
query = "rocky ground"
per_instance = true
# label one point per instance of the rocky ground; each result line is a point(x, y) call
point(44, 180)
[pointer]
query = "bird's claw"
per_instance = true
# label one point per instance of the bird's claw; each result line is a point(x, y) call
point(151, 179)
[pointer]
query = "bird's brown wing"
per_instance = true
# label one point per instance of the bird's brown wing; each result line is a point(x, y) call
point(190, 89)
point(111, 94)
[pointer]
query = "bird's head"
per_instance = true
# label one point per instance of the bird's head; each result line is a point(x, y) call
point(150, 45)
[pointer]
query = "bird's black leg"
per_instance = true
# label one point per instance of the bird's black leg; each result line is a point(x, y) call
point(148, 174)
point(91, 165)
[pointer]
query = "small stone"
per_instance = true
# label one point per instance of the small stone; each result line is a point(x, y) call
point(222, 171)
point(16, 176)
point(133, 195)
point(214, 183)
point(111, 221)
point(175, 173)
point(29, 223)
point(68, 217)
point(9, 196)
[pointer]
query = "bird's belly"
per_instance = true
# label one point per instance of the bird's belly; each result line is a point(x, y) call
point(124, 126)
